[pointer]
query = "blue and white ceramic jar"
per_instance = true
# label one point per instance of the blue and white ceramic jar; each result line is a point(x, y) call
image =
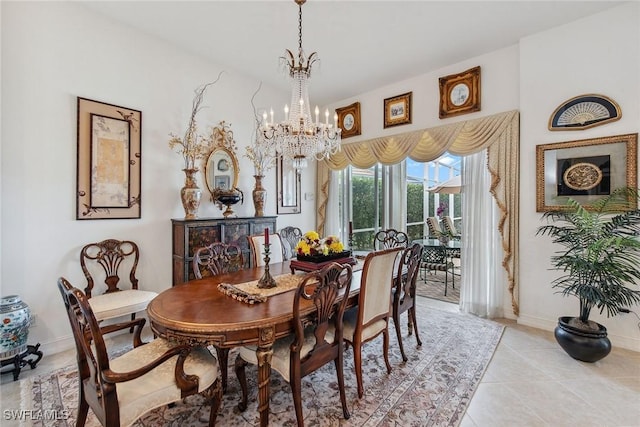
point(15, 319)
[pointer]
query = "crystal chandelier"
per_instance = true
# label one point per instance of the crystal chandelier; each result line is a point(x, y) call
point(298, 138)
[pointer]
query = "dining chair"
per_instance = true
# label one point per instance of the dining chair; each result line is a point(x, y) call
point(107, 260)
point(217, 258)
point(122, 389)
point(404, 292)
point(290, 238)
point(390, 238)
point(276, 250)
point(371, 317)
point(433, 225)
point(317, 338)
point(435, 258)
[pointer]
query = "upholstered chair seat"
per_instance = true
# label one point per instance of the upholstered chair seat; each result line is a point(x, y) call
point(158, 387)
point(121, 303)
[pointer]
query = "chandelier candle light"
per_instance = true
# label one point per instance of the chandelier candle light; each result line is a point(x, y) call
point(298, 138)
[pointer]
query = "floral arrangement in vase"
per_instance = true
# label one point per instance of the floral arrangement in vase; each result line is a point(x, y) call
point(312, 246)
point(192, 146)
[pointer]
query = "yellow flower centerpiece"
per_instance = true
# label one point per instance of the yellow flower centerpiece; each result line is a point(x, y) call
point(315, 249)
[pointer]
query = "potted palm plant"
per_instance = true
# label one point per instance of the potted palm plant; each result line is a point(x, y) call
point(600, 265)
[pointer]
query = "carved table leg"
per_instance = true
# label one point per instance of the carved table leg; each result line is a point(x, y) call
point(264, 353)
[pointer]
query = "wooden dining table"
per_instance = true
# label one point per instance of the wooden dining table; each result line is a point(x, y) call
point(198, 314)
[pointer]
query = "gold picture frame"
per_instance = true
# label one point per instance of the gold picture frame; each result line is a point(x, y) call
point(108, 175)
point(349, 120)
point(585, 170)
point(397, 110)
point(460, 93)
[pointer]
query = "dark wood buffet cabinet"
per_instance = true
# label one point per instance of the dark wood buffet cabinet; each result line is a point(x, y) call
point(190, 234)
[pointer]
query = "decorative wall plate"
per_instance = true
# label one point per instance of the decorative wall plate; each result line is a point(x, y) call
point(460, 93)
point(349, 119)
point(583, 112)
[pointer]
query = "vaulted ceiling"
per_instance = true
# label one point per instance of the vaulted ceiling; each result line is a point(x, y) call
point(362, 45)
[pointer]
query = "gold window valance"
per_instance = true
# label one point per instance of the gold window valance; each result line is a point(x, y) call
point(498, 133)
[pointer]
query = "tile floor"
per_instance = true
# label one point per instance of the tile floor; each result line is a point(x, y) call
point(529, 382)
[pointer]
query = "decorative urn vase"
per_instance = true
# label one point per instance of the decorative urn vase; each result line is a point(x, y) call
point(259, 196)
point(587, 346)
point(14, 327)
point(190, 194)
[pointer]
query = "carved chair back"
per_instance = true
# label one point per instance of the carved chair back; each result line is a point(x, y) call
point(290, 238)
point(390, 238)
point(111, 255)
point(217, 258)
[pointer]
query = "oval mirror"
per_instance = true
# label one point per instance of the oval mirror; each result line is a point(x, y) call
point(221, 170)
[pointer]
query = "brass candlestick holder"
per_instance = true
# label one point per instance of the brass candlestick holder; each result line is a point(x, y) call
point(266, 281)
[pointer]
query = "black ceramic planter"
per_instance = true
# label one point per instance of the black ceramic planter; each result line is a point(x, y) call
point(587, 346)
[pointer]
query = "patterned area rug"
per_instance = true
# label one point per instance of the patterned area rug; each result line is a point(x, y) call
point(432, 389)
point(431, 285)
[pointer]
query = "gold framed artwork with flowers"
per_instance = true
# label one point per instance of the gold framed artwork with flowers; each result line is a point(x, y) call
point(108, 180)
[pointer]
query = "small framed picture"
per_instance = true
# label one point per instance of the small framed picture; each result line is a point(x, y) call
point(221, 182)
point(397, 110)
point(349, 119)
point(460, 93)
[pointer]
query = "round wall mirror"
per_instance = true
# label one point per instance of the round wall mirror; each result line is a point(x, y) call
point(221, 170)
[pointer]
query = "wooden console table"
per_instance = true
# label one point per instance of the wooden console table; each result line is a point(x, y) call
point(190, 234)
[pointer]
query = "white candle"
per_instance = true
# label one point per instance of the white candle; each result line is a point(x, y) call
point(326, 117)
point(335, 120)
point(286, 112)
point(264, 118)
point(317, 114)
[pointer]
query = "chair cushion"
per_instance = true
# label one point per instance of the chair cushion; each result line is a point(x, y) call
point(157, 387)
point(435, 266)
point(349, 321)
point(280, 361)
point(116, 304)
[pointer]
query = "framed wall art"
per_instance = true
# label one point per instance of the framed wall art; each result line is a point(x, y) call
point(583, 112)
point(397, 110)
point(108, 161)
point(288, 188)
point(584, 170)
point(460, 93)
point(349, 119)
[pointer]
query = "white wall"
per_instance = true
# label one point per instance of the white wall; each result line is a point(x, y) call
point(499, 92)
point(54, 52)
point(598, 54)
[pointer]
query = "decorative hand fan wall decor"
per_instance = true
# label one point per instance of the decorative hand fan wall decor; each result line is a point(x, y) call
point(583, 112)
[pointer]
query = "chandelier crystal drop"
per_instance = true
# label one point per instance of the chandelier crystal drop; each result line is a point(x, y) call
point(299, 138)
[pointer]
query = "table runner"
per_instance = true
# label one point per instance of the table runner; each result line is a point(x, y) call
point(250, 293)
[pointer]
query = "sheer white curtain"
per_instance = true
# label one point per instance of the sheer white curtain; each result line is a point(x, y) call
point(483, 278)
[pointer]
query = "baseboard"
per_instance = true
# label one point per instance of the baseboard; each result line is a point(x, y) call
point(57, 346)
point(620, 341)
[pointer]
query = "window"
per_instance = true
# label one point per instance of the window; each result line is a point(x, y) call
point(367, 198)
